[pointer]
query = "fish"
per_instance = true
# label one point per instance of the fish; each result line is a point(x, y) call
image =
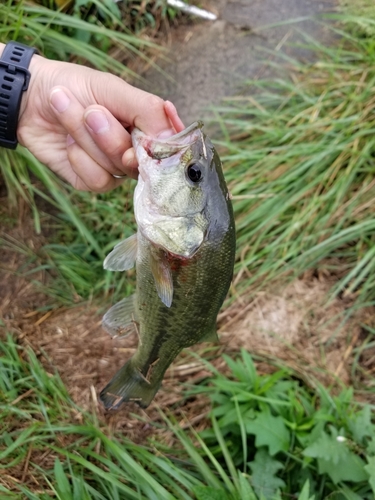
point(183, 251)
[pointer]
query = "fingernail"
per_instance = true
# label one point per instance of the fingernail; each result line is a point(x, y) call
point(59, 100)
point(97, 121)
point(69, 140)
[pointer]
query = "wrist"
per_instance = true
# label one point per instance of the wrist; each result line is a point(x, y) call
point(14, 81)
point(35, 70)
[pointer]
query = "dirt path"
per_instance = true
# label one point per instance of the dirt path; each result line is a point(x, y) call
point(211, 60)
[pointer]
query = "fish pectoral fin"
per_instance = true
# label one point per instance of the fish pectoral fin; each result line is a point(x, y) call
point(210, 336)
point(162, 274)
point(120, 320)
point(122, 256)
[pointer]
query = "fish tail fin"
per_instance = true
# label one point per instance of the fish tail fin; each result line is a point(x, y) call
point(128, 385)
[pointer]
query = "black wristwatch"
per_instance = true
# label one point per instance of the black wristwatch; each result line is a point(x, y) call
point(14, 80)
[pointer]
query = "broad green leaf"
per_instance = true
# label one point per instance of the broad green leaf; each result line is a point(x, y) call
point(361, 425)
point(269, 431)
point(210, 493)
point(336, 460)
point(263, 478)
point(370, 469)
point(305, 493)
point(327, 447)
point(349, 494)
point(370, 449)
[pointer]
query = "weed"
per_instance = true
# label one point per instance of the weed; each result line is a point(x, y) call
point(286, 433)
point(271, 437)
point(299, 161)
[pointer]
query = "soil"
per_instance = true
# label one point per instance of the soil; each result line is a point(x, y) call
point(295, 323)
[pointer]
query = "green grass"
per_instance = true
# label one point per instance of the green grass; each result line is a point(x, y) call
point(271, 437)
point(360, 15)
point(299, 157)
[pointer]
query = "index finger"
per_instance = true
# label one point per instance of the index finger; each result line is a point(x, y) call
point(133, 106)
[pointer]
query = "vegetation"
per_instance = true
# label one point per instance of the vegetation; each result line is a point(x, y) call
point(270, 434)
point(303, 149)
point(361, 15)
point(299, 160)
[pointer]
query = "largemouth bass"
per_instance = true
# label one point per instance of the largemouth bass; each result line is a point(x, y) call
point(184, 255)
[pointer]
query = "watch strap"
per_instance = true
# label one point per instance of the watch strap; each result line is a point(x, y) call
point(14, 80)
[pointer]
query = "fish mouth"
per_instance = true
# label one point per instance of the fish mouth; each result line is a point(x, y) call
point(186, 132)
point(160, 149)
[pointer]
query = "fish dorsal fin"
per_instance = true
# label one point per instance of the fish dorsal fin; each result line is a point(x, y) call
point(121, 318)
point(162, 274)
point(122, 256)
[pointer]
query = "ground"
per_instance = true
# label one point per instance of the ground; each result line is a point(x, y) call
point(294, 323)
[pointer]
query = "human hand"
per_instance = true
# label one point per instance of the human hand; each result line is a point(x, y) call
point(74, 120)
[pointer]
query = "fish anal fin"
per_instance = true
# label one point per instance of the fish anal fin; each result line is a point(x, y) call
point(162, 274)
point(120, 320)
point(123, 256)
point(210, 336)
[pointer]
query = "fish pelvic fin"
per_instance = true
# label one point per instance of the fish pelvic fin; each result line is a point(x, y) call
point(122, 257)
point(128, 385)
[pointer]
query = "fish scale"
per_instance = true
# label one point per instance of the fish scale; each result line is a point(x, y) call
point(178, 296)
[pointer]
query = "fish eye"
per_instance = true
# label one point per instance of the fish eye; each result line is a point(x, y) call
point(194, 172)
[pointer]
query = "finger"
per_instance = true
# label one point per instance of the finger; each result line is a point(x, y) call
point(89, 175)
point(130, 163)
point(69, 112)
point(129, 159)
point(131, 106)
point(108, 134)
point(171, 112)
